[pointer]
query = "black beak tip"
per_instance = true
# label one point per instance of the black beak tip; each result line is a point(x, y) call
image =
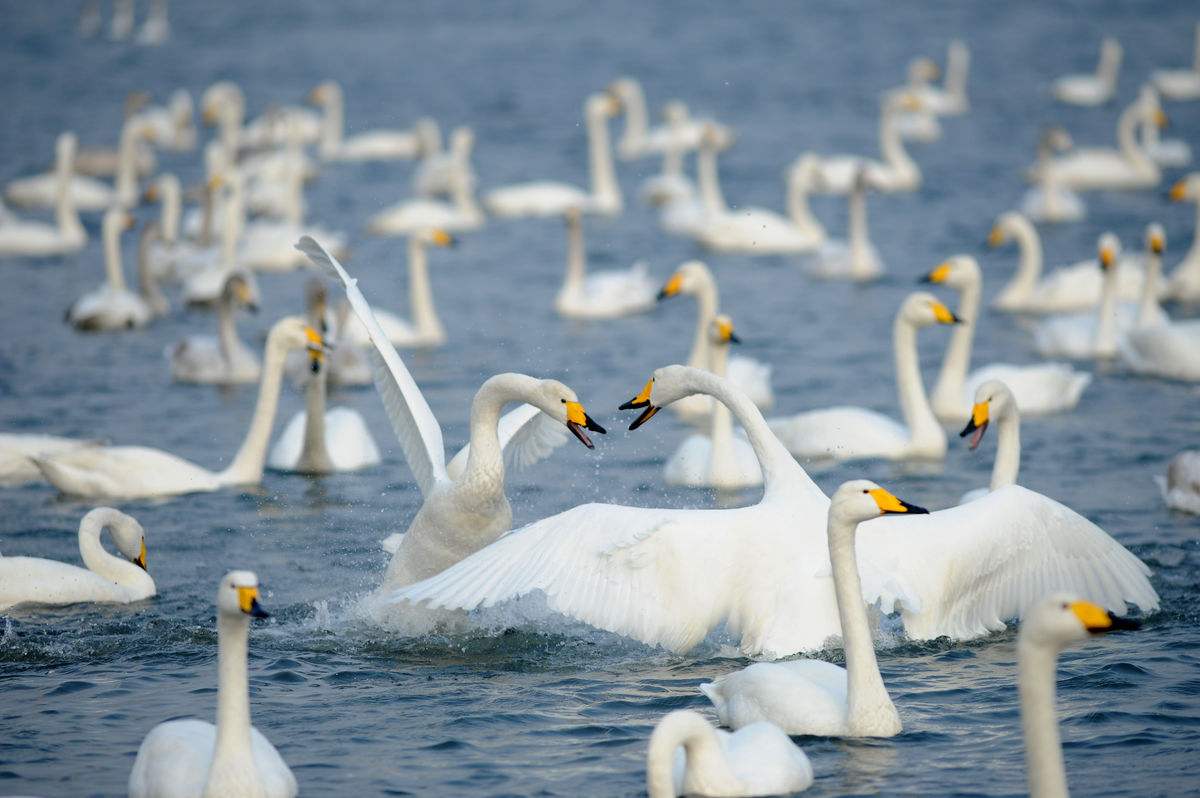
point(630, 405)
point(660, 296)
point(594, 427)
point(914, 509)
point(256, 611)
point(924, 279)
point(252, 307)
point(1119, 623)
point(733, 339)
point(967, 430)
point(956, 319)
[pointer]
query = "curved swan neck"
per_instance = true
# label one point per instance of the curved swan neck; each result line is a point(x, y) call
point(247, 465)
point(1008, 449)
point(1128, 144)
point(914, 403)
point(314, 455)
point(126, 180)
point(420, 293)
point(576, 256)
point(711, 197)
point(332, 121)
point(1148, 308)
point(1029, 245)
point(169, 218)
point(634, 135)
point(707, 303)
point(66, 217)
point(605, 190)
point(1043, 748)
point(111, 231)
point(797, 201)
point(890, 144)
point(233, 745)
point(1106, 327)
point(97, 560)
point(702, 750)
point(957, 360)
point(485, 461)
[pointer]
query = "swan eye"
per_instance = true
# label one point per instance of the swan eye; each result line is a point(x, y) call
point(1066, 606)
point(865, 491)
point(564, 401)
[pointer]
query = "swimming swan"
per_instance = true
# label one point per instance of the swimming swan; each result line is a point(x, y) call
point(896, 172)
point(1181, 486)
point(814, 697)
point(670, 184)
point(995, 402)
point(639, 140)
point(138, 472)
point(856, 257)
point(421, 214)
point(105, 580)
point(687, 756)
point(1184, 282)
point(951, 98)
point(1048, 201)
point(112, 306)
point(37, 239)
point(1096, 88)
point(1180, 84)
point(1098, 168)
point(193, 758)
point(1157, 347)
point(16, 449)
point(372, 145)
point(600, 295)
point(1164, 152)
point(223, 359)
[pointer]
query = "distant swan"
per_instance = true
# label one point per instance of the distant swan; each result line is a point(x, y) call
point(1096, 88)
point(639, 140)
point(1098, 168)
point(1156, 346)
point(1180, 84)
point(223, 359)
point(600, 295)
point(37, 239)
point(372, 145)
point(1048, 201)
point(896, 172)
point(854, 258)
point(112, 306)
point(1181, 486)
point(1184, 282)
point(17, 449)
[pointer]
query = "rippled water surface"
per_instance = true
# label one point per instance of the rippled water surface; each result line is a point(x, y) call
point(560, 710)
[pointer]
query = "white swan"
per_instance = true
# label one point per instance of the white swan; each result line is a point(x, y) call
point(896, 172)
point(718, 459)
point(1096, 88)
point(1040, 388)
point(547, 198)
point(639, 141)
point(348, 365)
point(1184, 282)
point(436, 172)
point(374, 145)
point(38, 239)
point(854, 258)
point(1164, 152)
point(693, 278)
point(173, 125)
point(193, 758)
point(41, 191)
point(100, 161)
point(1181, 486)
point(156, 28)
point(951, 98)
point(856, 433)
point(464, 505)
point(994, 401)
point(1180, 84)
point(670, 184)
point(16, 449)
point(814, 697)
point(687, 756)
point(1048, 201)
point(206, 269)
point(415, 215)
point(138, 472)
point(670, 577)
point(1051, 626)
point(600, 295)
point(112, 306)
point(1154, 346)
point(1100, 168)
point(105, 580)
point(222, 359)
point(922, 126)
point(171, 257)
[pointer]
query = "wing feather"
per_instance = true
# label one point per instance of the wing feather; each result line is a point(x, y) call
point(527, 436)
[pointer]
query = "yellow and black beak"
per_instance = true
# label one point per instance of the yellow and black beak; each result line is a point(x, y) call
point(978, 424)
point(578, 420)
point(995, 237)
point(1179, 191)
point(1106, 258)
point(248, 602)
point(938, 275)
point(889, 504)
point(944, 315)
point(151, 193)
point(316, 347)
point(1160, 119)
point(140, 560)
point(1098, 620)
point(673, 286)
point(444, 239)
point(642, 400)
point(1156, 244)
point(726, 333)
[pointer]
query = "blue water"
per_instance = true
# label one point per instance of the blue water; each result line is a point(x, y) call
point(566, 711)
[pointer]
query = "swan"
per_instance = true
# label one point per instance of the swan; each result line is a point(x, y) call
point(462, 213)
point(38, 239)
point(693, 278)
point(138, 472)
point(639, 141)
point(670, 577)
point(670, 184)
point(224, 105)
point(896, 172)
point(856, 433)
point(112, 306)
point(100, 161)
point(1096, 88)
point(1181, 486)
point(922, 126)
point(156, 29)
point(437, 170)
point(993, 400)
point(1184, 283)
point(130, 163)
point(687, 756)
point(814, 697)
point(374, 145)
point(1052, 625)
point(16, 449)
point(1099, 168)
point(1068, 288)
point(105, 580)
point(206, 269)
point(191, 758)
point(951, 98)
point(280, 124)
point(1164, 152)
point(1154, 346)
point(173, 125)
point(1040, 388)
point(348, 365)
point(170, 256)
point(267, 245)
point(1180, 84)
point(1093, 334)
point(223, 359)
point(547, 198)
point(1048, 201)
point(600, 295)
point(41, 191)
point(855, 258)
point(718, 459)
point(464, 505)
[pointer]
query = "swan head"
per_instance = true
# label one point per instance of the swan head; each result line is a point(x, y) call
point(1187, 188)
point(1062, 619)
point(241, 289)
point(293, 332)
point(666, 385)
point(959, 272)
point(721, 332)
point(116, 220)
point(605, 104)
point(436, 237)
point(560, 402)
point(675, 111)
point(1108, 249)
point(238, 596)
point(715, 138)
point(65, 146)
point(625, 88)
point(1156, 238)
point(922, 71)
point(861, 500)
point(993, 399)
point(1009, 224)
point(324, 93)
point(159, 188)
point(462, 140)
point(690, 278)
point(922, 309)
point(903, 101)
point(215, 98)
point(1152, 107)
point(129, 537)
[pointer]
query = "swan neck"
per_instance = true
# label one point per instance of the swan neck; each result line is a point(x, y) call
point(485, 460)
point(957, 361)
point(720, 424)
point(797, 202)
point(92, 551)
point(233, 744)
point(227, 337)
point(147, 282)
point(710, 182)
point(707, 300)
point(66, 216)
point(247, 465)
point(1029, 244)
point(605, 190)
point(576, 256)
point(112, 257)
point(420, 293)
point(314, 455)
point(170, 211)
point(1127, 141)
point(126, 181)
point(332, 122)
point(958, 61)
point(890, 144)
point(294, 205)
point(1008, 450)
point(914, 403)
point(1036, 667)
point(1148, 309)
point(633, 138)
point(1106, 327)
point(858, 236)
point(702, 749)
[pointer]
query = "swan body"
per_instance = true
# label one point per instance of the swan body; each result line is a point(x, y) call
point(687, 756)
point(193, 758)
point(1156, 347)
point(37, 239)
point(856, 257)
point(421, 214)
point(681, 132)
point(16, 449)
point(600, 295)
point(1164, 152)
point(1184, 282)
point(105, 580)
point(1180, 84)
point(896, 172)
point(112, 306)
point(1039, 388)
point(437, 172)
point(855, 433)
point(223, 359)
point(1096, 88)
point(1127, 167)
point(138, 472)
point(85, 193)
point(1048, 201)
point(373, 145)
point(173, 127)
point(1181, 486)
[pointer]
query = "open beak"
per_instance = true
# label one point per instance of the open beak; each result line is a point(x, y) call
point(578, 420)
point(642, 400)
point(889, 504)
point(1098, 620)
point(977, 424)
point(140, 560)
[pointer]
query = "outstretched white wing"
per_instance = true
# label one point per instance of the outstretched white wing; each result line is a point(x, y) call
point(414, 423)
point(527, 436)
point(977, 565)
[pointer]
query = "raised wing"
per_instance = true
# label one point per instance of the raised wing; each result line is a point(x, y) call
point(415, 425)
point(527, 436)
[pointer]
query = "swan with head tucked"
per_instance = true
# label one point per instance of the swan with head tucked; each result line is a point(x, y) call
point(856, 433)
point(37, 239)
point(693, 278)
point(600, 295)
point(671, 577)
point(856, 257)
point(1099, 168)
point(1040, 388)
point(1181, 486)
point(719, 459)
point(687, 756)
point(1055, 623)
point(639, 140)
point(112, 306)
point(1098, 87)
point(1048, 201)
point(373, 145)
point(547, 198)
point(139, 472)
point(421, 214)
point(1184, 282)
point(106, 579)
point(814, 697)
point(464, 506)
point(994, 401)
point(896, 172)
point(1180, 84)
point(192, 758)
point(223, 359)
point(17, 449)
point(1158, 347)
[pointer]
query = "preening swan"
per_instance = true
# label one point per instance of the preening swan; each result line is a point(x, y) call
point(112, 306)
point(670, 577)
point(814, 697)
point(719, 459)
point(1048, 201)
point(464, 505)
point(1184, 282)
point(38, 239)
point(639, 141)
point(547, 198)
point(1055, 623)
point(993, 400)
point(373, 145)
point(687, 756)
point(1040, 388)
point(105, 580)
point(16, 449)
point(600, 295)
point(1099, 168)
point(138, 472)
point(896, 172)
point(193, 758)
point(856, 433)
point(1181, 486)
point(854, 258)
point(223, 359)
point(1156, 346)
point(1096, 88)
point(1180, 84)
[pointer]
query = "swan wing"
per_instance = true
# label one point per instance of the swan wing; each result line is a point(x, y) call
point(975, 566)
point(527, 436)
point(413, 421)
